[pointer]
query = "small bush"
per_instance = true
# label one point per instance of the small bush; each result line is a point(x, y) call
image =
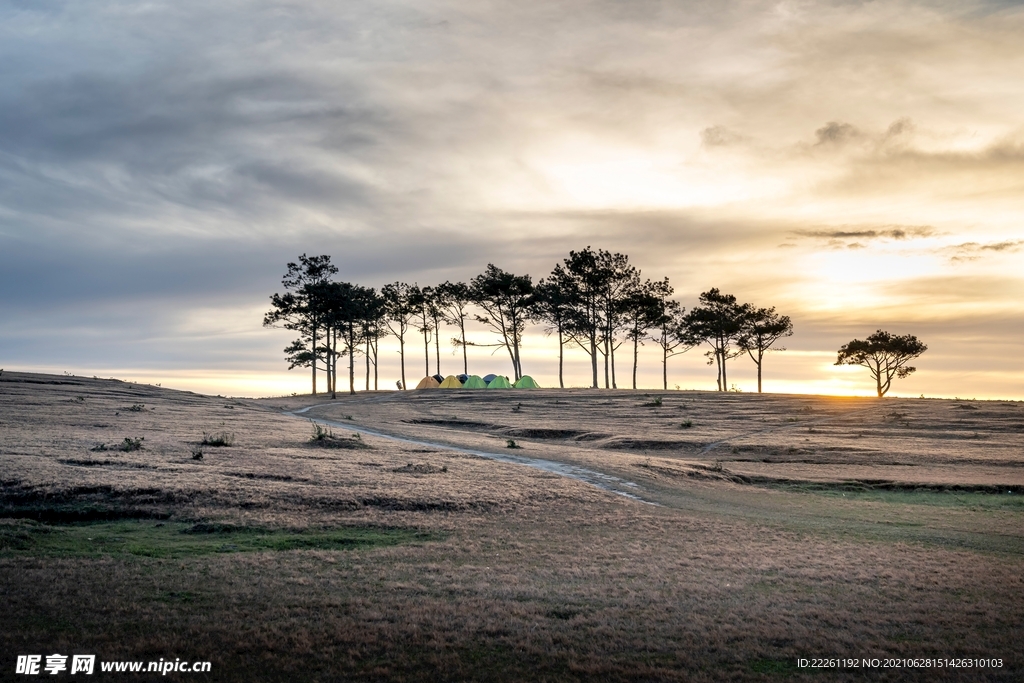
point(197, 453)
point(511, 443)
point(687, 424)
point(217, 440)
point(135, 408)
point(320, 433)
point(654, 402)
point(129, 445)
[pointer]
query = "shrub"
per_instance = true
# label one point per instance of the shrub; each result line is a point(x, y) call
point(511, 443)
point(687, 424)
point(654, 402)
point(221, 439)
point(129, 444)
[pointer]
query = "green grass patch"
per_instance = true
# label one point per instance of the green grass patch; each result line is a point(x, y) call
point(177, 540)
point(948, 499)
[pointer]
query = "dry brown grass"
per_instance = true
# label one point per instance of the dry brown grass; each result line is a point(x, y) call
point(530, 576)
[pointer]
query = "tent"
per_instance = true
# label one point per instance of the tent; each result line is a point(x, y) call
point(427, 383)
point(474, 382)
point(489, 378)
point(439, 378)
point(526, 382)
point(451, 382)
point(462, 378)
point(499, 382)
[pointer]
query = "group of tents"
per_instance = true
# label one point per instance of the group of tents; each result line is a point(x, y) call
point(475, 382)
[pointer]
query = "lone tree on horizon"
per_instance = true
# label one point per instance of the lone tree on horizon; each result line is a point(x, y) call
point(884, 355)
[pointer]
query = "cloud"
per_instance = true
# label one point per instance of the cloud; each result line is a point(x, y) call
point(972, 251)
point(855, 238)
point(835, 133)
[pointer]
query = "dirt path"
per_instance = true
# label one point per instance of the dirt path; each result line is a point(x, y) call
point(603, 481)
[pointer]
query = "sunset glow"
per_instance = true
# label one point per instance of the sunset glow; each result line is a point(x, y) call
point(857, 166)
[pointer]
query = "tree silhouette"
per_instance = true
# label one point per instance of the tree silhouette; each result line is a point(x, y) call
point(399, 314)
point(673, 336)
point(371, 328)
point(454, 298)
point(419, 301)
point(884, 355)
point(505, 300)
point(301, 309)
point(718, 322)
point(642, 310)
point(552, 305)
point(620, 280)
point(582, 280)
point(761, 329)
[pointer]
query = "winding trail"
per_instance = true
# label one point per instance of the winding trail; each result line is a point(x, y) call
point(603, 481)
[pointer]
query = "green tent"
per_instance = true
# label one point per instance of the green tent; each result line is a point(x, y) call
point(474, 382)
point(526, 382)
point(499, 382)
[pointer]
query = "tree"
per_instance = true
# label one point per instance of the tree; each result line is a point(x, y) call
point(435, 309)
point(582, 281)
point(454, 298)
point(884, 355)
point(554, 306)
point(760, 330)
point(642, 310)
point(419, 300)
point(371, 328)
point(620, 280)
point(505, 299)
point(718, 322)
point(673, 337)
point(399, 314)
point(301, 309)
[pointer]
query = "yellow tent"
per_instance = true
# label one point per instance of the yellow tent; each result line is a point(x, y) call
point(451, 382)
point(428, 383)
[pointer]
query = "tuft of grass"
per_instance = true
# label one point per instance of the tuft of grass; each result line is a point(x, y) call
point(511, 443)
point(687, 424)
point(128, 445)
point(197, 453)
point(654, 402)
point(134, 408)
point(324, 437)
point(221, 439)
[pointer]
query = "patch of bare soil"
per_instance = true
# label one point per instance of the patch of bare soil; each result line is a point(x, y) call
point(510, 573)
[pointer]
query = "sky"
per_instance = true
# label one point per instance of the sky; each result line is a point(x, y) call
point(857, 165)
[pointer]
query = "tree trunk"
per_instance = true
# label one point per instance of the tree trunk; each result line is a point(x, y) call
point(636, 357)
point(334, 363)
point(561, 354)
point(314, 359)
point(426, 353)
point(437, 347)
point(401, 354)
point(664, 361)
point(612, 348)
point(607, 384)
point(760, 359)
point(375, 357)
point(367, 352)
point(465, 359)
point(351, 359)
point(725, 379)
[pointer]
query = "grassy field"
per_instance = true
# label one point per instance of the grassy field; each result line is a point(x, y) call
point(138, 523)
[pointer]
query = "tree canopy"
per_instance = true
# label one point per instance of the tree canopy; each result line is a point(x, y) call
point(885, 356)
